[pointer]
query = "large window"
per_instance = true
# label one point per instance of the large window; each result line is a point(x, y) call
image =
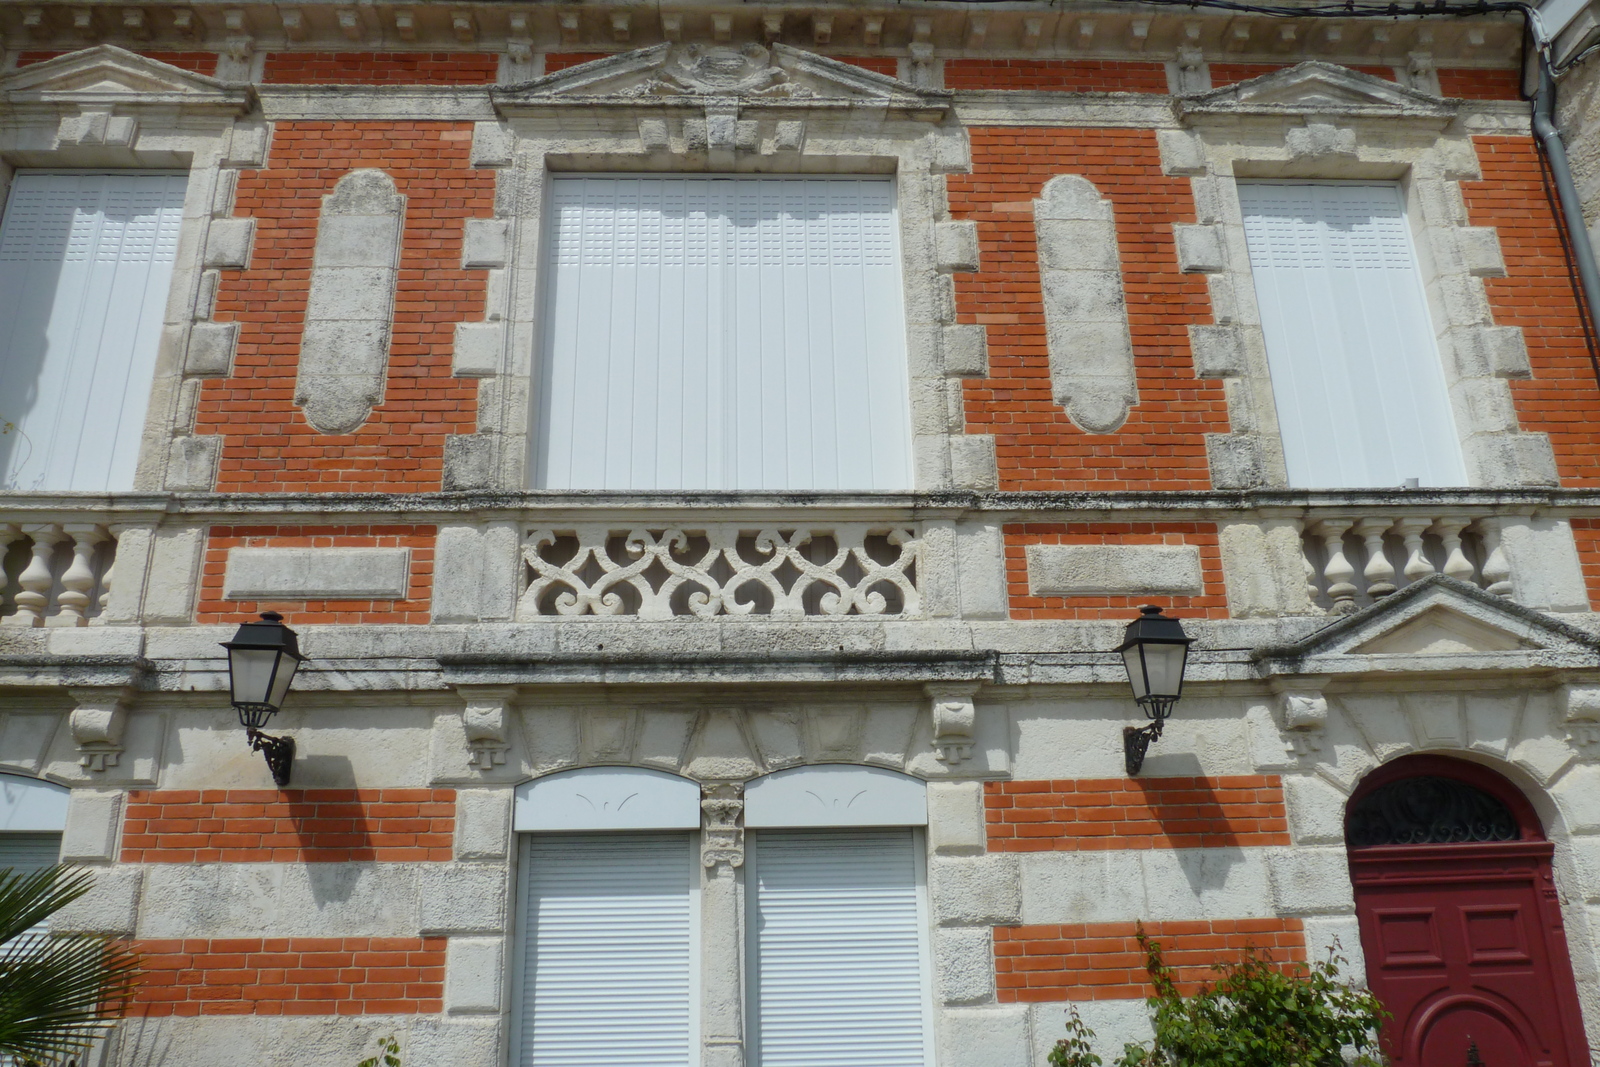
point(1356, 375)
point(85, 266)
point(722, 333)
point(33, 814)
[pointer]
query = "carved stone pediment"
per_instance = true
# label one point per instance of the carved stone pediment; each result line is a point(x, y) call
point(1439, 624)
point(748, 74)
point(1317, 88)
point(106, 76)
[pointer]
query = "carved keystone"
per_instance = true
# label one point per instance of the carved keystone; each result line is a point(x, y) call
point(955, 718)
point(1086, 317)
point(484, 722)
point(344, 352)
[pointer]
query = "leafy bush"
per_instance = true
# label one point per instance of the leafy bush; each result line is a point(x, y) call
point(388, 1054)
point(1258, 1013)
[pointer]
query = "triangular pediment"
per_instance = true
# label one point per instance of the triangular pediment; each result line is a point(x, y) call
point(106, 75)
point(1314, 86)
point(747, 73)
point(1436, 624)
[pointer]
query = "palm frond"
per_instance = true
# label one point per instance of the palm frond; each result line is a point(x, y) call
point(29, 898)
point(57, 993)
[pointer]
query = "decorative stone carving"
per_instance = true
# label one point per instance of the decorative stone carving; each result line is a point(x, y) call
point(1305, 715)
point(1317, 88)
point(722, 835)
point(97, 724)
point(344, 352)
point(955, 718)
point(1086, 315)
point(843, 569)
point(485, 720)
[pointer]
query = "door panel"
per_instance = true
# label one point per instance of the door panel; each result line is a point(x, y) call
point(1464, 946)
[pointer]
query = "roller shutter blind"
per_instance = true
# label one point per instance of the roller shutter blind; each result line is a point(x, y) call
point(839, 953)
point(85, 268)
point(26, 853)
point(723, 333)
point(607, 970)
point(1356, 375)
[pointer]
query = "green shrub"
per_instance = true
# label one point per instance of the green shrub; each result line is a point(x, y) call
point(1258, 1013)
point(388, 1054)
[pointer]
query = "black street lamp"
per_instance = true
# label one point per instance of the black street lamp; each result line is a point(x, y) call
point(262, 659)
point(1155, 650)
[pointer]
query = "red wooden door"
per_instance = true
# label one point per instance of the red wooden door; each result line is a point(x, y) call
point(1462, 933)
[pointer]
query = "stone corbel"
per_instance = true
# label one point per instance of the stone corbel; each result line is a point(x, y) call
point(1580, 714)
point(722, 832)
point(97, 724)
point(1304, 710)
point(955, 719)
point(485, 721)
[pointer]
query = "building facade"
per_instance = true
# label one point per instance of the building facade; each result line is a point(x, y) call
point(709, 455)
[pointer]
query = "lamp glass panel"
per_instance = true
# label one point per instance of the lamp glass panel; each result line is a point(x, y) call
point(280, 684)
point(251, 670)
point(1133, 659)
point(1164, 667)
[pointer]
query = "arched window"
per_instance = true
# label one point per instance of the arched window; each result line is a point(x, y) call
point(1434, 800)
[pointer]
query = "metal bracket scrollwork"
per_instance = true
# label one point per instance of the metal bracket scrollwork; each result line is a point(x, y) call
point(1429, 810)
point(279, 752)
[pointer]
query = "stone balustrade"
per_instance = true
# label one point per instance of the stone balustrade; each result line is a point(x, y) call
point(55, 574)
point(1355, 560)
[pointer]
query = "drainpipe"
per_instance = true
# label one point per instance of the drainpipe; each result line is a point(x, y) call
point(1544, 128)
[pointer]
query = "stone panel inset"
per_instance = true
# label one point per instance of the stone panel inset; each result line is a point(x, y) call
point(316, 573)
point(1081, 570)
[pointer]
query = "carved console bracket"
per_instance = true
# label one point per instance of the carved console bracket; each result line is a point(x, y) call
point(721, 833)
point(484, 719)
point(97, 723)
point(1580, 708)
point(1304, 711)
point(955, 718)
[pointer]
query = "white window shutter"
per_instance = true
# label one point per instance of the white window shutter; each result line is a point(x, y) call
point(25, 854)
point(85, 266)
point(723, 333)
point(1356, 375)
point(838, 950)
point(607, 975)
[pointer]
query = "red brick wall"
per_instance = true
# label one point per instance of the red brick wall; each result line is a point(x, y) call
point(554, 61)
point(197, 62)
point(1472, 84)
point(290, 976)
point(379, 68)
point(1586, 534)
point(880, 64)
point(1097, 814)
point(1068, 75)
point(414, 609)
point(1229, 73)
point(267, 444)
point(1102, 961)
point(1161, 446)
point(1540, 294)
point(288, 826)
point(1212, 603)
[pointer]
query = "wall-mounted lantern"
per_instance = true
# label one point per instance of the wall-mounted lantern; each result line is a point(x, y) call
point(262, 659)
point(1155, 650)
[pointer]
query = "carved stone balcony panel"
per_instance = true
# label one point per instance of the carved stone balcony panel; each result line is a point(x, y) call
point(1356, 560)
point(55, 574)
point(783, 570)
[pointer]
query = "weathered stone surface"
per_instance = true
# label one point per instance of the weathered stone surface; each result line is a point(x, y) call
point(1086, 570)
point(317, 573)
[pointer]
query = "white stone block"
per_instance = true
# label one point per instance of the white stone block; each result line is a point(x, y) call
point(483, 823)
point(981, 889)
point(980, 559)
point(1316, 810)
point(457, 1042)
point(491, 145)
point(174, 568)
point(1090, 570)
point(93, 819)
point(280, 900)
point(192, 462)
point(317, 573)
point(1235, 460)
point(111, 907)
point(955, 817)
point(955, 246)
point(972, 462)
point(473, 968)
point(984, 1037)
point(1545, 571)
point(228, 243)
point(484, 243)
point(210, 349)
point(1484, 351)
point(964, 962)
point(1480, 251)
point(966, 351)
point(1182, 153)
point(1310, 881)
point(1201, 249)
point(478, 347)
point(462, 898)
point(1220, 351)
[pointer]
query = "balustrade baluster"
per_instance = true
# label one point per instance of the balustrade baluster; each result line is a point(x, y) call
point(104, 598)
point(78, 579)
point(1496, 567)
point(1313, 590)
point(36, 579)
point(1418, 566)
point(1338, 570)
point(1378, 572)
point(1456, 563)
point(10, 533)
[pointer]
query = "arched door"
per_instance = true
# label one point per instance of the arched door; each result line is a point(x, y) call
point(1460, 924)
